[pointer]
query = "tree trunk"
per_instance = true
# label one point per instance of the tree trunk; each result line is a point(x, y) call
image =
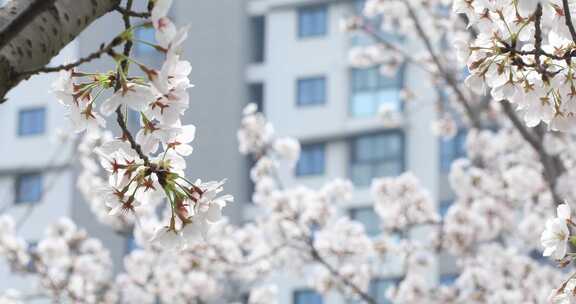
point(32, 32)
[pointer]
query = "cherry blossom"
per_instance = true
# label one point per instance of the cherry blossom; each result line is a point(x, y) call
point(555, 237)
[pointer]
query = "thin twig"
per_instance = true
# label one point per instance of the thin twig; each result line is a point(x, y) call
point(552, 166)
point(124, 67)
point(104, 48)
point(316, 256)
point(537, 34)
point(568, 19)
point(450, 80)
point(131, 13)
point(128, 136)
point(381, 40)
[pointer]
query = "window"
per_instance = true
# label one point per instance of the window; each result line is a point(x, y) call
point(311, 91)
point(32, 249)
point(312, 160)
point(147, 34)
point(452, 149)
point(145, 53)
point(31, 121)
point(376, 155)
point(379, 287)
point(28, 188)
point(390, 35)
point(133, 121)
point(368, 218)
point(256, 95)
point(448, 279)
point(444, 206)
point(131, 244)
point(258, 49)
point(370, 89)
point(245, 298)
point(537, 256)
point(312, 21)
point(307, 296)
point(250, 162)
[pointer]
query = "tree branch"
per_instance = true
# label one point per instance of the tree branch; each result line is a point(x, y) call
point(104, 48)
point(537, 35)
point(32, 32)
point(568, 19)
point(317, 257)
point(448, 77)
point(131, 13)
point(551, 165)
point(124, 67)
point(376, 36)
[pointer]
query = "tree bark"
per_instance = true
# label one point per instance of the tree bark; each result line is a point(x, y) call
point(32, 32)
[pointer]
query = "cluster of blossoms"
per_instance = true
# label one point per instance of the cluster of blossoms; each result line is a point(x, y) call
point(520, 51)
point(66, 263)
point(388, 29)
point(499, 275)
point(300, 230)
point(523, 53)
point(302, 222)
point(401, 202)
point(503, 192)
point(148, 168)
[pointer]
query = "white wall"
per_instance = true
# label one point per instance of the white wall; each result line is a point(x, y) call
point(42, 153)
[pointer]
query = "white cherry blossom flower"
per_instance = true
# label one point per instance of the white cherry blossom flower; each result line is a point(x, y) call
point(180, 143)
point(135, 96)
point(63, 88)
point(555, 237)
point(168, 238)
point(84, 117)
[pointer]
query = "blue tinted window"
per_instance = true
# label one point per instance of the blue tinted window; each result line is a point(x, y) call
point(370, 89)
point(258, 32)
point(368, 218)
point(28, 188)
point(379, 287)
point(133, 121)
point(311, 91)
point(452, 149)
point(312, 160)
point(312, 21)
point(376, 155)
point(360, 38)
point(32, 121)
point(307, 296)
point(538, 257)
point(131, 244)
point(444, 206)
point(146, 34)
point(32, 249)
point(448, 279)
point(256, 95)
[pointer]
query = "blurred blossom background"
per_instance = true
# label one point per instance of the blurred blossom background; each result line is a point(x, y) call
point(292, 59)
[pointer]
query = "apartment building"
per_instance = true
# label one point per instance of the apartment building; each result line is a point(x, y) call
point(300, 76)
point(36, 167)
point(288, 56)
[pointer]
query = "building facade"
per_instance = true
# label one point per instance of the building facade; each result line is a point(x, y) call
point(300, 76)
point(288, 56)
point(37, 173)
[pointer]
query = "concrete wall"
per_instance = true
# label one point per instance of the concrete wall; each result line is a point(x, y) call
point(216, 49)
point(42, 153)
